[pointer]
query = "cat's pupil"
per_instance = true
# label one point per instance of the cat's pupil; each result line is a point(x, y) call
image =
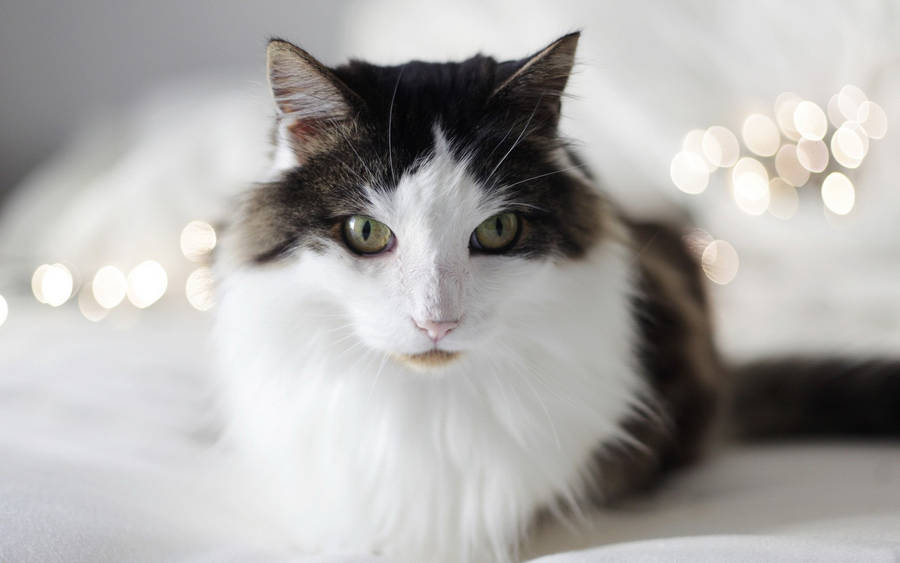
point(367, 230)
point(498, 224)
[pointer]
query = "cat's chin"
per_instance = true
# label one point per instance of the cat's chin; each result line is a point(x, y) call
point(428, 362)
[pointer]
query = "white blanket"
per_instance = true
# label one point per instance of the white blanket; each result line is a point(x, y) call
point(105, 459)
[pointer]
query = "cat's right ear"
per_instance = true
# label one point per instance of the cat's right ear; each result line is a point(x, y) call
point(310, 99)
point(536, 86)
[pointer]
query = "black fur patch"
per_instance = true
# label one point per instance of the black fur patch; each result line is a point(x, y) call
point(501, 116)
point(680, 361)
point(782, 397)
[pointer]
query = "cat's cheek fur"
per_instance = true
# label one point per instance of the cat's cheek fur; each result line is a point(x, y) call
point(358, 454)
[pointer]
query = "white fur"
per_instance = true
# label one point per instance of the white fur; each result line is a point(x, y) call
point(355, 451)
point(284, 158)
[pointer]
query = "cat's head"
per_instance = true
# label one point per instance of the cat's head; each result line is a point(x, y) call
point(422, 199)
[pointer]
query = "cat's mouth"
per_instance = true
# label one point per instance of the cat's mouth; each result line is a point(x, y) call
point(429, 360)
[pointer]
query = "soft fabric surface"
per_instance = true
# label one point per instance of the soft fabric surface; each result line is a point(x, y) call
point(106, 458)
point(103, 441)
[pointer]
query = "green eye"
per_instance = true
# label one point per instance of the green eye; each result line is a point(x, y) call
point(365, 235)
point(496, 234)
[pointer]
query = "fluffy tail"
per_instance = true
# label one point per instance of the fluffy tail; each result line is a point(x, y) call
point(804, 397)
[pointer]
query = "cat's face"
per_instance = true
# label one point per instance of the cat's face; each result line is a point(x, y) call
point(424, 201)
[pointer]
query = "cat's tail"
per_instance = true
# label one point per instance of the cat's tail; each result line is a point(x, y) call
point(815, 397)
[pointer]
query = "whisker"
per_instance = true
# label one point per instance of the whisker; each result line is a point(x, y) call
point(540, 400)
point(518, 139)
point(497, 146)
point(384, 359)
point(390, 119)
point(352, 171)
point(560, 171)
point(344, 338)
point(353, 148)
point(515, 204)
point(338, 328)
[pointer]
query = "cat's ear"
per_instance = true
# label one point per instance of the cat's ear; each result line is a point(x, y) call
point(309, 97)
point(537, 84)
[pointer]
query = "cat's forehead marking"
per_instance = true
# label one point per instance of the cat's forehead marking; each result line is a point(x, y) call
point(440, 190)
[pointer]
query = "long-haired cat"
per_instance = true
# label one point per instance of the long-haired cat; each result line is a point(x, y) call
point(436, 331)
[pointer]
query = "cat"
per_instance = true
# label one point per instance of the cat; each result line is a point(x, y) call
point(435, 331)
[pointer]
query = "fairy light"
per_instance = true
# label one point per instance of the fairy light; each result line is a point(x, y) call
point(854, 142)
point(52, 284)
point(147, 283)
point(720, 262)
point(849, 100)
point(198, 239)
point(108, 287)
point(720, 146)
point(37, 282)
point(810, 120)
point(785, 105)
point(872, 119)
point(788, 166)
point(199, 289)
point(842, 139)
point(838, 193)
point(834, 112)
point(689, 172)
point(89, 307)
point(849, 145)
point(693, 143)
point(812, 155)
point(696, 241)
point(760, 135)
point(4, 310)
point(750, 183)
point(807, 156)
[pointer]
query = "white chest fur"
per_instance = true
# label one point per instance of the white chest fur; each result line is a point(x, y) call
point(354, 451)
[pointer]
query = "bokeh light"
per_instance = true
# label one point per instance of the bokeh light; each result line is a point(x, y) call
point(873, 120)
point(761, 135)
point(199, 289)
point(838, 193)
point(849, 100)
point(52, 284)
point(198, 239)
point(720, 262)
point(4, 310)
point(810, 120)
point(147, 283)
point(834, 112)
point(689, 172)
point(849, 145)
point(783, 199)
point(806, 158)
point(789, 168)
point(812, 155)
point(89, 307)
point(720, 146)
point(696, 241)
point(693, 143)
point(785, 106)
point(37, 282)
point(108, 287)
point(751, 186)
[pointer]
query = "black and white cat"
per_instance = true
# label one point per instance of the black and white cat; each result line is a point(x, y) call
point(434, 329)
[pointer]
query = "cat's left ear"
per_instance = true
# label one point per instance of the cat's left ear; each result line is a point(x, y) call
point(310, 98)
point(536, 86)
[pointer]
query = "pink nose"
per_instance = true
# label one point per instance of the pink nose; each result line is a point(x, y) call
point(436, 329)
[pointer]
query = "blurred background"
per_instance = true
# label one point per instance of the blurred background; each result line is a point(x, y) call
point(127, 128)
